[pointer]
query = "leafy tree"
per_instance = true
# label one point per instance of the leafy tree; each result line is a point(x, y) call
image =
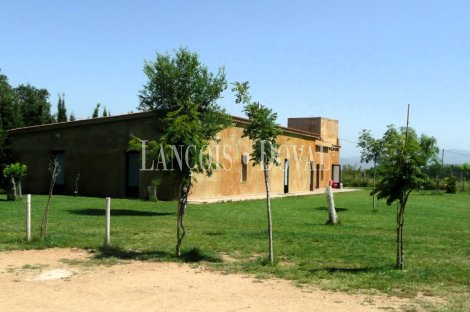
point(96, 111)
point(465, 167)
point(72, 117)
point(7, 118)
point(403, 174)
point(262, 129)
point(429, 149)
point(13, 175)
point(61, 110)
point(371, 151)
point(105, 113)
point(32, 106)
point(182, 94)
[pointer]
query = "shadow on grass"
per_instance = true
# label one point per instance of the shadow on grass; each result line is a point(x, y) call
point(189, 256)
point(353, 270)
point(118, 212)
point(336, 208)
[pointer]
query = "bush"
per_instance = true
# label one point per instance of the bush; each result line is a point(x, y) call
point(429, 185)
point(451, 186)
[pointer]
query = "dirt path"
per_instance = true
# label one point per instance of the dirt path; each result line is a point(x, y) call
point(36, 280)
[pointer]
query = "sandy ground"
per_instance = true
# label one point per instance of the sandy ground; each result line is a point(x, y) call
point(36, 280)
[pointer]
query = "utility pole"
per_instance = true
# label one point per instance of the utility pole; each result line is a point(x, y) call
point(407, 123)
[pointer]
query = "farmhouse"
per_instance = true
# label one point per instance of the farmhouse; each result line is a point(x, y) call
point(95, 150)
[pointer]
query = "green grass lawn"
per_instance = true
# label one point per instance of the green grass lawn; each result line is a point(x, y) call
point(358, 255)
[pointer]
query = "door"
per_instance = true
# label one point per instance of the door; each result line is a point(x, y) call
point(132, 174)
point(318, 176)
point(286, 176)
point(336, 173)
point(312, 175)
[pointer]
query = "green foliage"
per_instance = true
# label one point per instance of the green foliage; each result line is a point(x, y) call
point(96, 111)
point(105, 113)
point(262, 129)
point(451, 185)
point(22, 106)
point(12, 176)
point(465, 167)
point(16, 171)
point(156, 182)
point(32, 106)
point(7, 118)
point(61, 110)
point(183, 93)
point(371, 148)
point(72, 117)
point(403, 161)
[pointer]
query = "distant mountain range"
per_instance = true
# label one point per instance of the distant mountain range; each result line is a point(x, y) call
point(451, 156)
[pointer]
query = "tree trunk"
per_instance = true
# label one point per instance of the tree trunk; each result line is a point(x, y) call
point(20, 190)
point(46, 212)
point(400, 246)
point(373, 186)
point(13, 189)
point(270, 224)
point(180, 230)
point(333, 218)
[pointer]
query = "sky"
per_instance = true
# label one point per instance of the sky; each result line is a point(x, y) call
point(359, 61)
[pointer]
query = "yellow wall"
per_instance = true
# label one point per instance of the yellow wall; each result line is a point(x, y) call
point(228, 182)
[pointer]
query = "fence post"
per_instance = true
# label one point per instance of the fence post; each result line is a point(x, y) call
point(28, 217)
point(108, 221)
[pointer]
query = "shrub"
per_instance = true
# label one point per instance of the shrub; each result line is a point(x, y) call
point(451, 186)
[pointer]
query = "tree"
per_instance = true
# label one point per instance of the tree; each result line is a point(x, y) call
point(182, 94)
point(105, 113)
point(371, 151)
point(96, 111)
point(32, 106)
point(54, 168)
point(7, 118)
point(465, 167)
point(61, 110)
point(402, 170)
point(262, 129)
point(13, 175)
point(429, 149)
point(72, 117)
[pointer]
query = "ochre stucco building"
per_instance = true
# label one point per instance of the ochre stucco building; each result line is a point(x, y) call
point(96, 148)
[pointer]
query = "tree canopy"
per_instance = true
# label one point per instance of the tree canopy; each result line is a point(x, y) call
point(183, 95)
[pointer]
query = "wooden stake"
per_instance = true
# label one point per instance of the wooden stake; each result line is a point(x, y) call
point(28, 217)
point(108, 222)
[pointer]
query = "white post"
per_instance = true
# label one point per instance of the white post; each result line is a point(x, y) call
point(28, 217)
point(108, 221)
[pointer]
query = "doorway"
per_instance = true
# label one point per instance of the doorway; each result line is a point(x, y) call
point(312, 175)
point(286, 176)
point(132, 174)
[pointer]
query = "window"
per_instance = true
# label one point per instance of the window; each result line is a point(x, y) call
point(244, 167)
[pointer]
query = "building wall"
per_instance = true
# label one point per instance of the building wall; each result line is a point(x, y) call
point(295, 147)
point(96, 149)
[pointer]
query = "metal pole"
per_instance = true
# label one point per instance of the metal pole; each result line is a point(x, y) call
point(108, 221)
point(28, 217)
